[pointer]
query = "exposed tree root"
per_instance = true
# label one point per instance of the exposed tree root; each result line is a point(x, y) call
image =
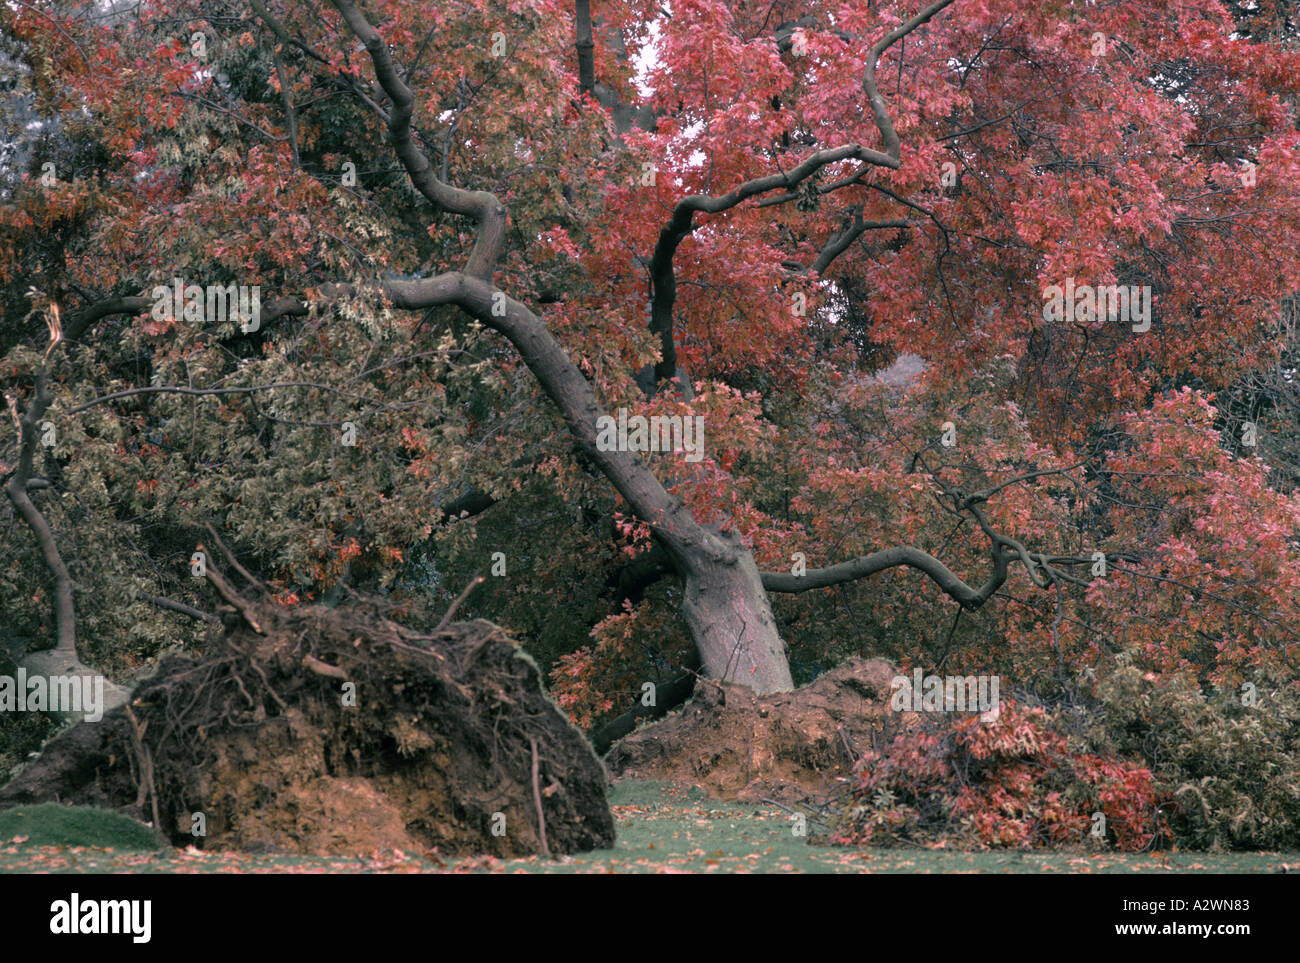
point(337, 731)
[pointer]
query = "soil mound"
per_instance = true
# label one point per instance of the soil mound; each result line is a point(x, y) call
point(791, 747)
point(337, 732)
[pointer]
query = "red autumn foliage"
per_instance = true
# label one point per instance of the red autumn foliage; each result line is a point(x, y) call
point(1039, 142)
point(1012, 782)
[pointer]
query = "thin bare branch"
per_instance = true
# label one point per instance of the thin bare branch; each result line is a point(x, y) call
point(474, 583)
point(16, 487)
point(232, 559)
point(173, 606)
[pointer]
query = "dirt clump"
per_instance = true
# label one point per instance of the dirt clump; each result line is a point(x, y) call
point(319, 731)
point(792, 747)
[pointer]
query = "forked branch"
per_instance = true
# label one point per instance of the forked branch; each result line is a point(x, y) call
point(682, 222)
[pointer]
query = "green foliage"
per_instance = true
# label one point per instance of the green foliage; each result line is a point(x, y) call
point(21, 734)
point(1228, 773)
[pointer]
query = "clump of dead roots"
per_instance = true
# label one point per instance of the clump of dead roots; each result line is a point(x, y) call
point(337, 732)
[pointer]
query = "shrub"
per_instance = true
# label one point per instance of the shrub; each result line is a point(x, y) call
point(1013, 782)
point(1227, 771)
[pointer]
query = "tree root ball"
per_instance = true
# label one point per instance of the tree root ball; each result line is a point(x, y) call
point(792, 747)
point(338, 732)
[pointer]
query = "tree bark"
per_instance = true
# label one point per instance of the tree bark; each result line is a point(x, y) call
point(62, 660)
point(728, 613)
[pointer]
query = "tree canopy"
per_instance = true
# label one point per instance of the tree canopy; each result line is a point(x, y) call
point(983, 305)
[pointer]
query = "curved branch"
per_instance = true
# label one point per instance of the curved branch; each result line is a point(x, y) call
point(842, 241)
point(1041, 568)
point(888, 135)
point(63, 659)
point(682, 223)
point(80, 322)
point(940, 574)
point(16, 488)
point(483, 207)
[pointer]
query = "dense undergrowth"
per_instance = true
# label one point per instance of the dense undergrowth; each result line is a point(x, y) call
point(1144, 762)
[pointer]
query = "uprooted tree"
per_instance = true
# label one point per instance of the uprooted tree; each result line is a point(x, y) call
point(784, 199)
point(337, 731)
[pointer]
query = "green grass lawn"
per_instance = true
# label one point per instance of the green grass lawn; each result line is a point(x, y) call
point(51, 825)
point(660, 830)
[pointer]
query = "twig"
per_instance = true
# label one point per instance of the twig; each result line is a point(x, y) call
point(323, 668)
point(174, 606)
point(537, 800)
point(239, 681)
point(227, 592)
point(848, 746)
point(266, 682)
point(473, 584)
point(146, 767)
point(230, 557)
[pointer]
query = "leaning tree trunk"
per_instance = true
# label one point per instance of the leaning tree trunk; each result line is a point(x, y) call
point(727, 611)
point(726, 607)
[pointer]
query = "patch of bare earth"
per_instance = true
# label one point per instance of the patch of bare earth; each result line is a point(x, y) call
point(791, 747)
